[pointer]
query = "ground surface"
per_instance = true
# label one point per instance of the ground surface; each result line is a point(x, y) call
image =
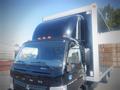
point(113, 82)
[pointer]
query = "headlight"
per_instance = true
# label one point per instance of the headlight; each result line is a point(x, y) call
point(59, 88)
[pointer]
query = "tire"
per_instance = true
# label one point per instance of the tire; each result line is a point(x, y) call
point(86, 87)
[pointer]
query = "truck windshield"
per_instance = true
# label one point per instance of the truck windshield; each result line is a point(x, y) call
point(44, 53)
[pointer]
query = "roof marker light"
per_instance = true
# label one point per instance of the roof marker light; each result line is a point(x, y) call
point(44, 38)
point(49, 37)
point(39, 38)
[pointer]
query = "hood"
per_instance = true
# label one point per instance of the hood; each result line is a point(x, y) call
point(38, 70)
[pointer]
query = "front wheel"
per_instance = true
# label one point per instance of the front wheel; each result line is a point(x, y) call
point(86, 87)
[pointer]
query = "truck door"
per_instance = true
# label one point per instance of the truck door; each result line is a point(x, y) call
point(74, 68)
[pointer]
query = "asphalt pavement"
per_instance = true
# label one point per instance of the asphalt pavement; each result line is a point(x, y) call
point(4, 80)
point(113, 81)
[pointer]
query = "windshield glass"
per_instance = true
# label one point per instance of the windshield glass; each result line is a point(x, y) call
point(44, 53)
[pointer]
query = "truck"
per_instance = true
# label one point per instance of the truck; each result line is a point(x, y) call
point(65, 53)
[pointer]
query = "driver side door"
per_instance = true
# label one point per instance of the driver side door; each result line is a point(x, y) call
point(74, 67)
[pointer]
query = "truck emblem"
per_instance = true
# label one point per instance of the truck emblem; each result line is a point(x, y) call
point(42, 68)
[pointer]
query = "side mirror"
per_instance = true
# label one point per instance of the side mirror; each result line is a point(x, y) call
point(72, 44)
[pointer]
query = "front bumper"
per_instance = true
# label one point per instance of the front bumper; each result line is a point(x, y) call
point(59, 88)
point(18, 85)
point(51, 88)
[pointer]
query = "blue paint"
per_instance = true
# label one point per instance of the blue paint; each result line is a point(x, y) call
point(70, 77)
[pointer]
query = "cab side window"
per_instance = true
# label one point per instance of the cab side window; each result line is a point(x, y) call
point(74, 56)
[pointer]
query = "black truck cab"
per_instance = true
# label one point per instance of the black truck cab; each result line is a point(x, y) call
point(53, 59)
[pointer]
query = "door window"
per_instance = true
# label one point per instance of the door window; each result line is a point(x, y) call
point(74, 56)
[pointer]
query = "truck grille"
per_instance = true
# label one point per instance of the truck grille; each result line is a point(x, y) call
point(29, 86)
point(36, 80)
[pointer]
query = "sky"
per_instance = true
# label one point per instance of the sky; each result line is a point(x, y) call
point(19, 18)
